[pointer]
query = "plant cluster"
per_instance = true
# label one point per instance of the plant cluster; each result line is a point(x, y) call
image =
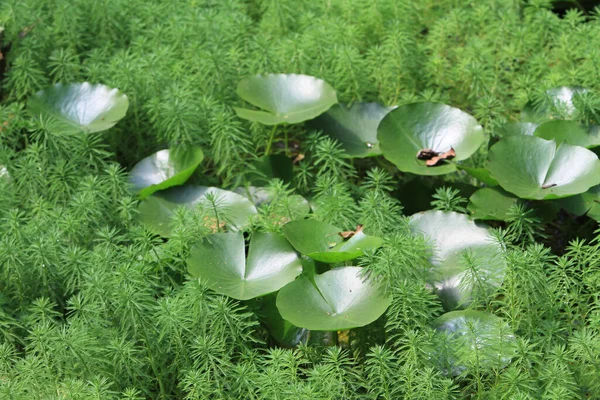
point(299, 199)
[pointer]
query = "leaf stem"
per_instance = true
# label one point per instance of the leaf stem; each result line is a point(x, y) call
point(270, 142)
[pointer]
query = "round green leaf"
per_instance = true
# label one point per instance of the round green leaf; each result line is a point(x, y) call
point(257, 195)
point(491, 203)
point(220, 261)
point(405, 131)
point(518, 128)
point(284, 332)
point(569, 132)
point(355, 127)
point(468, 331)
point(156, 211)
point(164, 169)
point(338, 299)
point(481, 174)
point(80, 106)
point(585, 203)
point(276, 166)
point(294, 205)
point(557, 101)
point(534, 168)
point(466, 257)
point(322, 242)
point(286, 98)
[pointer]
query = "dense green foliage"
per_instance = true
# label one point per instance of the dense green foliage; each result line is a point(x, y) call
point(94, 304)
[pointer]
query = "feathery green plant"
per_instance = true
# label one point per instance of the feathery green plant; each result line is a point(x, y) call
point(94, 304)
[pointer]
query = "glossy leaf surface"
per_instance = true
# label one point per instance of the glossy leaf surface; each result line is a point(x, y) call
point(79, 106)
point(270, 167)
point(491, 204)
point(338, 299)
point(322, 242)
point(284, 332)
point(285, 98)
point(518, 128)
point(354, 127)
point(587, 203)
point(534, 168)
point(219, 259)
point(481, 174)
point(408, 129)
point(234, 210)
point(468, 331)
point(569, 132)
point(466, 257)
point(295, 206)
point(164, 169)
point(557, 101)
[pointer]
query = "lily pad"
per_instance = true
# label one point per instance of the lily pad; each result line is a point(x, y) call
point(257, 195)
point(569, 132)
point(80, 106)
point(235, 211)
point(412, 128)
point(481, 174)
point(518, 128)
point(324, 242)
point(455, 238)
point(294, 204)
point(534, 168)
point(219, 259)
point(557, 101)
point(164, 169)
point(587, 203)
point(284, 332)
point(338, 299)
point(276, 166)
point(355, 127)
point(470, 331)
point(286, 98)
point(491, 204)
